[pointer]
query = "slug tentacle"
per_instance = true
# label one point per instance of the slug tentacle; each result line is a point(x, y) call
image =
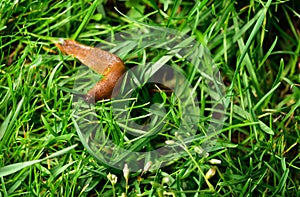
point(103, 62)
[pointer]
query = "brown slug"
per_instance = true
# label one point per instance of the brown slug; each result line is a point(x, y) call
point(103, 62)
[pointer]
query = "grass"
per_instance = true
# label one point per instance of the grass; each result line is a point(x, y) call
point(255, 45)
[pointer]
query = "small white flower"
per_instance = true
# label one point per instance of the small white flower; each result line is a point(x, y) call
point(210, 173)
point(198, 150)
point(215, 161)
point(147, 166)
point(123, 195)
point(126, 171)
point(169, 142)
point(201, 151)
point(112, 178)
point(165, 180)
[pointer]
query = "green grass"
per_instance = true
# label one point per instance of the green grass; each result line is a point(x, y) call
point(255, 45)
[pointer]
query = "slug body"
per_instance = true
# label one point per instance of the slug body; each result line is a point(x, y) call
point(103, 62)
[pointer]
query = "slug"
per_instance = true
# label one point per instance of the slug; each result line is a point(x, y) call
point(103, 62)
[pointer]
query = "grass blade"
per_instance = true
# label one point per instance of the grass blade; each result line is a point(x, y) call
point(12, 168)
point(9, 122)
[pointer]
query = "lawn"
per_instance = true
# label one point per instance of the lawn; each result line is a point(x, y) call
point(208, 106)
